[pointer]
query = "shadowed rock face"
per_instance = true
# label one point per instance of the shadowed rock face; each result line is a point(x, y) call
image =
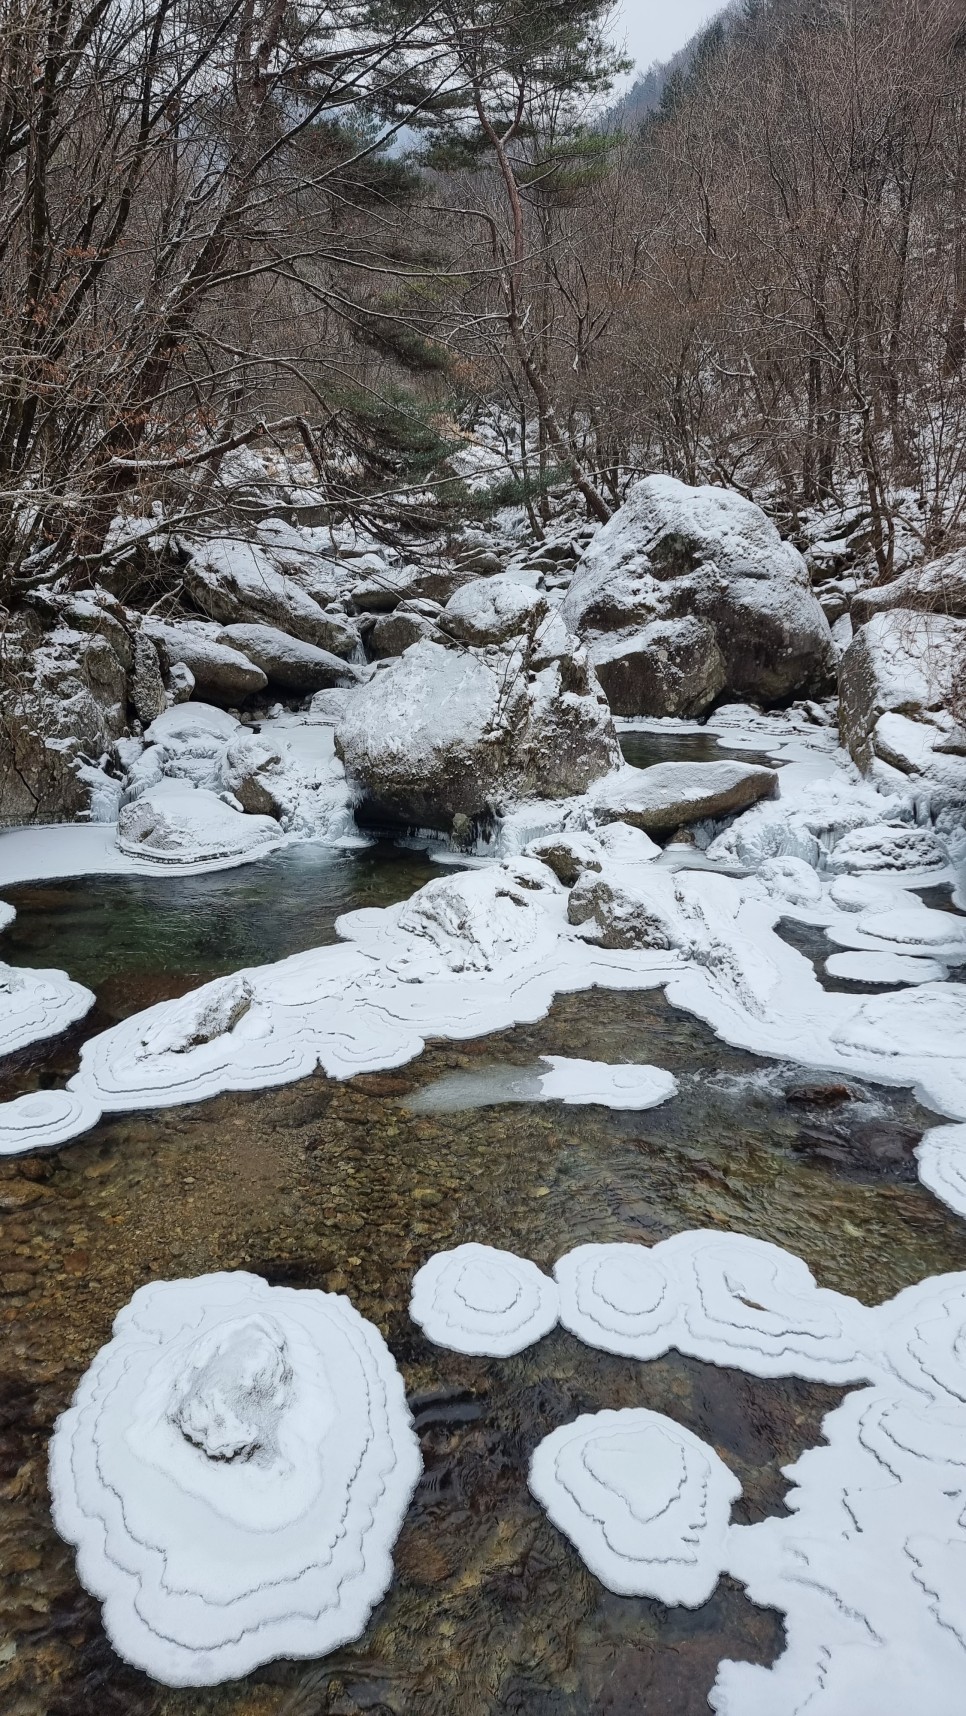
point(689, 593)
point(444, 733)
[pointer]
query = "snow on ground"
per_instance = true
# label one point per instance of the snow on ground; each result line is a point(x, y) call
point(233, 1472)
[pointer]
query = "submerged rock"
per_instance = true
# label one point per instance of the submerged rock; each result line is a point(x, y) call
point(691, 592)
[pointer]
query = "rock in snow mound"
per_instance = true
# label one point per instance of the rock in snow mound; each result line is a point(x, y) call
point(689, 593)
point(233, 1472)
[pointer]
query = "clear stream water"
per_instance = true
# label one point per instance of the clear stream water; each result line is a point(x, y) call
point(343, 1186)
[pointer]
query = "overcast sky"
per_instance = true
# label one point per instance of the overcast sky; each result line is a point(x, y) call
point(655, 29)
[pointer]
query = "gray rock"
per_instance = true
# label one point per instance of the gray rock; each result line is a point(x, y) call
point(63, 703)
point(147, 686)
point(670, 667)
point(393, 633)
point(701, 557)
point(236, 582)
point(221, 675)
point(381, 593)
point(670, 795)
point(442, 734)
point(287, 662)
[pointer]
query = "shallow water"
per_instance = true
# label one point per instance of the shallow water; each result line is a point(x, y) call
point(341, 1186)
point(643, 749)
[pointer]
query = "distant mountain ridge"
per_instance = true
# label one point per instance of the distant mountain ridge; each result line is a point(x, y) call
point(647, 91)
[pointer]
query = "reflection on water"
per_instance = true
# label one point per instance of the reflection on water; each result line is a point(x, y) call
point(342, 1186)
point(646, 748)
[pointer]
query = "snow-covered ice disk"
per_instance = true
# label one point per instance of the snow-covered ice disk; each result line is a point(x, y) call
point(43, 1118)
point(884, 968)
point(234, 1471)
point(619, 1298)
point(645, 1503)
point(628, 1086)
point(477, 1299)
point(722, 1297)
point(37, 1004)
point(750, 1304)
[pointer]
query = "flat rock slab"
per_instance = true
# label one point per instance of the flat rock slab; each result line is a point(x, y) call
point(665, 797)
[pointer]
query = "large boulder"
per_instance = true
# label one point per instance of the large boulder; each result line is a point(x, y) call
point(408, 624)
point(381, 590)
point(175, 823)
point(444, 737)
point(901, 662)
point(670, 795)
point(939, 587)
point(737, 610)
point(222, 675)
point(287, 662)
point(237, 582)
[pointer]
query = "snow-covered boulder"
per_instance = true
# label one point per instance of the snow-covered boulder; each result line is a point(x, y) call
point(901, 662)
point(736, 608)
point(234, 581)
point(670, 795)
point(492, 610)
point(62, 704)
point(175, 823)
point(233, 1472)
point(220, 673)
point(939, 587)
point(287, 662)
point(147, 692)
point(442, 734)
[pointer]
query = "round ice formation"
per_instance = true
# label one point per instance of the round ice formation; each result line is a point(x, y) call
point(234, 1471)
point(619, 1297)
point(36, 1004)
point(476, 1299)
point(923, 1021)
point(751, 1304)
point(43, 1118)
point(717, 1296)
point(644, 1502)
point(921, 1337)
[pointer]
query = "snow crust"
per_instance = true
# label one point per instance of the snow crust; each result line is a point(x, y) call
point(477, 1299)
point(233, 1473)
point(644, 1501)
point(37, 1004)
point(628, 1087)
point(174, 823)
point(884, 968)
